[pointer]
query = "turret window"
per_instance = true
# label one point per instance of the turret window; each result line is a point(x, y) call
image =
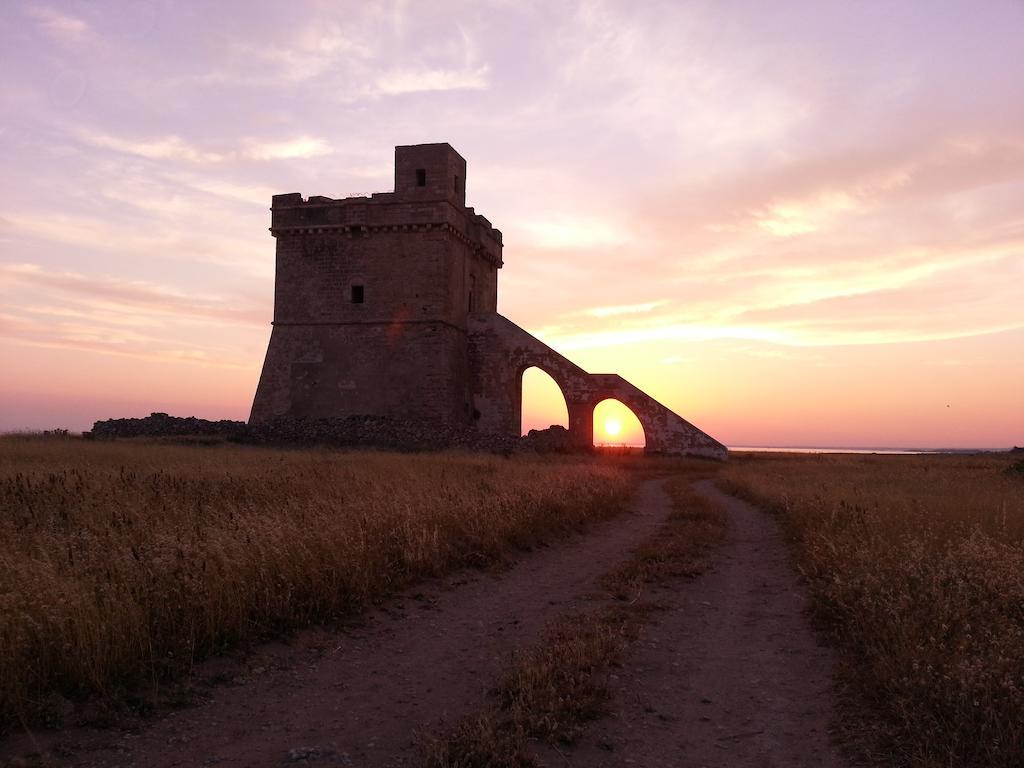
point(421, 177)
point(357, 294)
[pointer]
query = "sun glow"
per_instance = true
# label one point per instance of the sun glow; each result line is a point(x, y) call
point(615, 424)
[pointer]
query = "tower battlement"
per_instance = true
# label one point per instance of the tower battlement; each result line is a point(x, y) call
point(429, 195)
point(383, 212)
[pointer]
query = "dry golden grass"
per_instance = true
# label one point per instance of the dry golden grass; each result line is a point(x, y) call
point(122, 563)
point(553, 690)
point(485, 741)
point(680, 547)
point(917, 565)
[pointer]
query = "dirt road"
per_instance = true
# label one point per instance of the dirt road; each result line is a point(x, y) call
point(730, 675)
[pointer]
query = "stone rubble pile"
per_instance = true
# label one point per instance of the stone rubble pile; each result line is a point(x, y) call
point(162, 425)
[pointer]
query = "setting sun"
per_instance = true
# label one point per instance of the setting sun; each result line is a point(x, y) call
point(615, 424)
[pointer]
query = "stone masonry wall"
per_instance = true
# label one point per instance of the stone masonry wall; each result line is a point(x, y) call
point(401, 370)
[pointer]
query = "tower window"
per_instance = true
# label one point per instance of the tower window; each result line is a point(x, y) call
point(421, 177)
point(357, 294)
point(456, 185)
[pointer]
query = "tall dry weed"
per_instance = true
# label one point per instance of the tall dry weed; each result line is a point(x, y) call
point(127, 562)
point(917, 564)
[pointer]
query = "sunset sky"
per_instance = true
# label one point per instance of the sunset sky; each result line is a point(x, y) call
point(794, 223)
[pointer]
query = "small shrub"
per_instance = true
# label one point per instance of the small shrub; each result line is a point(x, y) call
point(1016, 469)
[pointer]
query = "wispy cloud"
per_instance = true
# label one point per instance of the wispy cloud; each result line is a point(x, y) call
point(59, 24)
point(135, 295)
point(799, 218)
point(660, 76)
point(300, 52)
point(796, 337)
point(216, 185)
point(567, 231)
point(173, 147)
point(694, 332)
point(675, 360)
point(128, 318)
point(290, 149)
point(168, 237)
point(314, 50)
point(84, 337)
point(161, 148)
point(405, 81)
point(86, 231)
point(625, 309)
point(889, 305)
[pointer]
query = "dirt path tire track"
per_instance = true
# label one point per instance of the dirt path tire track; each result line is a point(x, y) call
point(356, 697)
point(731, 674)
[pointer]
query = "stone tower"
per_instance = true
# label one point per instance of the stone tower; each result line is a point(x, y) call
point(386, 326)
point(372, 297)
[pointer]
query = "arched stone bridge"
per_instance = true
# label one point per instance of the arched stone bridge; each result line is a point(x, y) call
point(501, 351)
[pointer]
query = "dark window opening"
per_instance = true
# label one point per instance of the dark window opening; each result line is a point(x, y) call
point(357, 294)
point(421, 177)
point(456, 185)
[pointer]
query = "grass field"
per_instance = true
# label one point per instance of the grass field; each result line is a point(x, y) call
point(121, 564)
point(917, 566)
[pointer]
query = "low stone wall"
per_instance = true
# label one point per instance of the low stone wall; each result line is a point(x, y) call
point(401, 435)
point(375, 431)
point(353, 432)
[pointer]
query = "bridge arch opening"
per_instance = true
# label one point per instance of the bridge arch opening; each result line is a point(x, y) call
point(542, 403)
point(615, 425)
